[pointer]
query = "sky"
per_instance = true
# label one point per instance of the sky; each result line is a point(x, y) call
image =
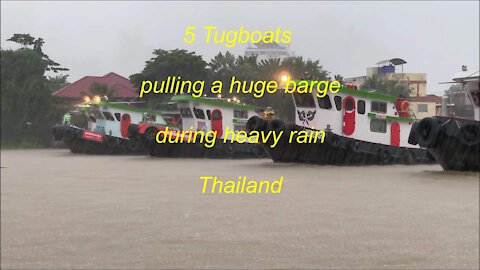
point(94, 38)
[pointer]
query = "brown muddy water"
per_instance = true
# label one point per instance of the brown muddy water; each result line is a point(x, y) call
point(60, 210)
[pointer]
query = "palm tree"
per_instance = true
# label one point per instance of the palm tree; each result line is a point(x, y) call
point(301, 69)
point(246, 68)
point(338, 78)
point(270, 69)
point(223, 64)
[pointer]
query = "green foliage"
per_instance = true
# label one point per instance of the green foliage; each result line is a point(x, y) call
point(339, 78)
point(26, 40)
point(301, 69)
point(386, 86)
point(177, 62)
point(27, 108)
point(23, 39)
point(56, 82)
point(223, 67)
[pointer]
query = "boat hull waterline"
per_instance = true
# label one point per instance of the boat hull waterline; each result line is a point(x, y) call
point(84, 141)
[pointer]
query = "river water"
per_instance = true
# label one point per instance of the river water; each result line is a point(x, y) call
point(62, 210)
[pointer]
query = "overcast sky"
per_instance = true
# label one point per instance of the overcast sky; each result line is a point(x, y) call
point(94, 38)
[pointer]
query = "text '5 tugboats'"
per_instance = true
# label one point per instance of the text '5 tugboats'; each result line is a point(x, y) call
point(454, 142)
point(360, 127)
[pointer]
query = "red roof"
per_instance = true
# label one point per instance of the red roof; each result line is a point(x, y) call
point(123, 87)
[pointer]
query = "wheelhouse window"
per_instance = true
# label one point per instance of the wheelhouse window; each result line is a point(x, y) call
point(98, 115)
point(379, 107)
point(361, 107)
point(92, 119)
point(199, 113)
point(186, 113)
point(117, 116)
point(216, 115)
point(304, 100)
point(324, 103)
point(378, 125)
point(338, 102)
point(349, 104)
point(243, 114)
point(108, 116)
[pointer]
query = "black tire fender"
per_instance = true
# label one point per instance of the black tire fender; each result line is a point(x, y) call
point(230, 148)
point(354, 145)
point(69, 134)
point(133, 144)
point(276, 125)
point(427, 132)
point(132, 130)
point(413, 137)
point(256, 123)
point(151, 134)
point(332, 139)
point(470, 134)
point(110, 141)
point(385, 156)
point(259, 151)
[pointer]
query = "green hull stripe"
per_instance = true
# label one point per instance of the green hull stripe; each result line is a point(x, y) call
point(392, 118)
point(124, 107)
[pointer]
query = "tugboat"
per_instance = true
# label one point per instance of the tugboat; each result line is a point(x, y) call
point(107, 131)
point(224, 117)
point(360, 128)
point(453, 142)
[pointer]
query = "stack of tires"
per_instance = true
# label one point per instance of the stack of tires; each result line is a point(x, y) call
point(455, 143)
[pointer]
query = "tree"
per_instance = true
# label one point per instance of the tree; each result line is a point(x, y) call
point(297, 68)
point(26, 104)
point(386, 86)
point(223, 65)
point(187, 65)
point(301, 69)
point(56, 82)
point(27, 40)
point(27, 107)
point(339, 78)
point(23, 39)
point(270, 69)
point(222, 68)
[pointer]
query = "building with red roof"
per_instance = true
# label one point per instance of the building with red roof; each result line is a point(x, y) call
point(123, 88)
